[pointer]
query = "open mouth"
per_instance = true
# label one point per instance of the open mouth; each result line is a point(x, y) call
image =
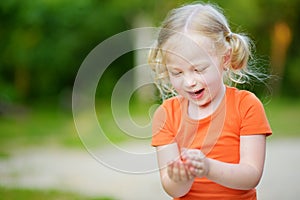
point(197, 94)
point(199, 91)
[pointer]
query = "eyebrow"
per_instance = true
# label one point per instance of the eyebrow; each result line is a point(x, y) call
point(172, 66)
point(198, 64)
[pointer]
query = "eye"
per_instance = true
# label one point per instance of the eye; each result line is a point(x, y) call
point(200, 69)
point(175, 73)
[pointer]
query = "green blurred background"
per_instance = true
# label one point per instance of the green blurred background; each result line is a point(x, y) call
point(44, 42)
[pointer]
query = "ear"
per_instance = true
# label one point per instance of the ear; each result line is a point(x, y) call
point(227, 58)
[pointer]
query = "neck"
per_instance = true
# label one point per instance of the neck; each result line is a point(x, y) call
point(200, 112)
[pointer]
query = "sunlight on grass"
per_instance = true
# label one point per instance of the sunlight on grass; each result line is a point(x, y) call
point(49, 125)
point(27, 194)
point(284, 115)
point(40, 126)
point(53, 126)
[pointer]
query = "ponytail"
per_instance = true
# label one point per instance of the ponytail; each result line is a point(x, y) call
point(241, 51)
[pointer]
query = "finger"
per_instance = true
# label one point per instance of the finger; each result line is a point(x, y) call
point(183, 172)
point(198, 155)
point(170, 170)
point(195, 155)
point(197, 164)
point(198, 172)
point(187, 155)
point(183, 150)
point(184, 155)
point(176, 171)
point(190, 175)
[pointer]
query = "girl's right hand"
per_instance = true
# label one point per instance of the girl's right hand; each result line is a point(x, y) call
point(178, 171)
point(196, 162)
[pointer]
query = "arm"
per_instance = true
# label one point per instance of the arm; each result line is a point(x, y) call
point(244, 175)
point(175, 178)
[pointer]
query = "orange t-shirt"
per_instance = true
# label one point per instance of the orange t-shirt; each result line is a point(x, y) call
point(217, 136)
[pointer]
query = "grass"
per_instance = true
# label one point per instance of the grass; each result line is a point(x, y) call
point(50, 125)
point(284, 115)
point(26, 194)
point(38, 126)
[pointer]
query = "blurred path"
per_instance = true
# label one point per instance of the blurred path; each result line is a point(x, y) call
point(78, 171)
point(281, 178)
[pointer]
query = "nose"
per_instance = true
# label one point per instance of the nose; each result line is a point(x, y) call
point(190, 81)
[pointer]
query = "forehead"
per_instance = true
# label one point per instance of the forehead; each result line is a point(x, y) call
point(191, 48)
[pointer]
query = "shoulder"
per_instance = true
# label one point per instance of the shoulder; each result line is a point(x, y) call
point(173, 101)
point(166, 120)
point(242, 96)
point(251, 113)
point(244, 103)
point(170, 109)
point(173, 104)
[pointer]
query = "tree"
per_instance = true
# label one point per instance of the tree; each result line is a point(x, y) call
point(46, 41)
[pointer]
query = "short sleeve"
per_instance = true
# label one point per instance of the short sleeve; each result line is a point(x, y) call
point(253, 117)
point(162, 133)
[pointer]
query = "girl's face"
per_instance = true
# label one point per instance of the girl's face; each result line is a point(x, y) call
point(195, 69)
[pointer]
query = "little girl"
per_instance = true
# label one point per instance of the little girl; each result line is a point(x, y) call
point(210, 138)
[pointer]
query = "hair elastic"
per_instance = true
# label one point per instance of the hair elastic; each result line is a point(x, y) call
point(228, 37)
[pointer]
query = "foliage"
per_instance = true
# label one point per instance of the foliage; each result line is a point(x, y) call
point(49, 125)
point(43, 42)
point(27, 194)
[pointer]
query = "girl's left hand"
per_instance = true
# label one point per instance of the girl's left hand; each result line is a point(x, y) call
point(196, 162)
point(178, 172)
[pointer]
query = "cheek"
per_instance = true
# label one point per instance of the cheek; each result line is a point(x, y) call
point(176, 82)
point(213, 76)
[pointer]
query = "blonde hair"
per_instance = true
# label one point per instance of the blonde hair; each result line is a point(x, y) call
point(209, 21)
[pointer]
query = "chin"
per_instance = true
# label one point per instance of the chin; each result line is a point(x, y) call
point(200, 103)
